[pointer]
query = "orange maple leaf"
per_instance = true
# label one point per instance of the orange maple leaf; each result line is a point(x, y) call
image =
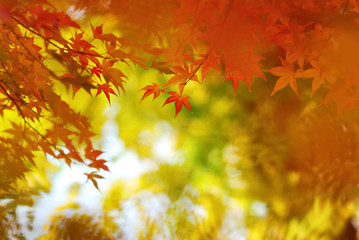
point(99, 164)
point(91, 176)
point(287, 75)
point(154, 89)
point(319, 72)
point(182, 76)
point(234, 78)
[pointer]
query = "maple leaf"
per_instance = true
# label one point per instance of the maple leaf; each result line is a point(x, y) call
point(99, 164)
point(179, 101)
point(16, 131)
point(154, 89)
point(113, 75)
point(92, 154)
point(287, 75)
point(92, 176)
point(106, 89)
point(207, 62)
point(83, 61)
point(77, 82)
point(97, 32)
point(319, 72)
point(234, 78)
point(73, 154)
point(96, 71)
point(80, 45)
point(84, 136)
point(182, 76)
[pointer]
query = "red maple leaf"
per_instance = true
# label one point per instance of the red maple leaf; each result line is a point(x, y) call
point(97, 32)
point(96, 71)
point(106, 89)
point(179, 101)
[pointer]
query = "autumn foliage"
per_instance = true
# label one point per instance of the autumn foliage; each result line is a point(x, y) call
point(308, 46)
point(312, 39)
